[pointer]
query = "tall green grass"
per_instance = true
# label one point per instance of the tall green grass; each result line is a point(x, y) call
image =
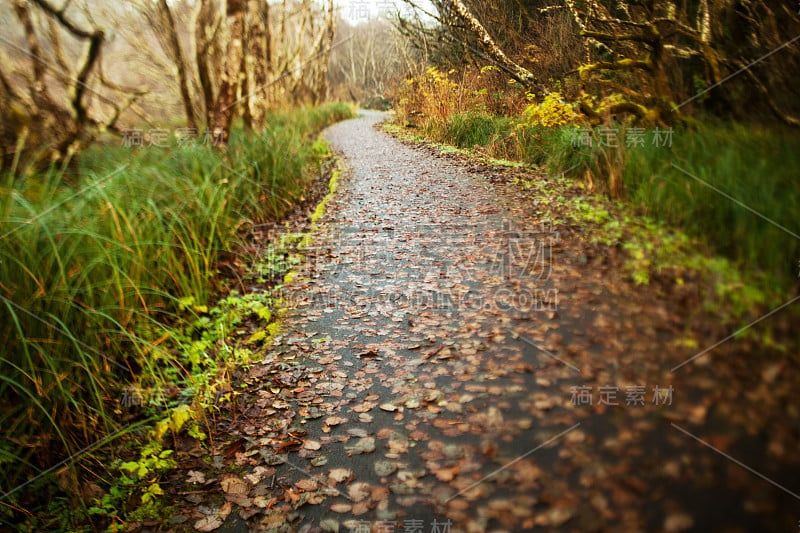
point(92, 271)
point(466, 130)
point(735, 186)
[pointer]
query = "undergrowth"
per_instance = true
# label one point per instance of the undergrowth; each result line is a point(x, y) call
point(727, 191)
point(108, 272)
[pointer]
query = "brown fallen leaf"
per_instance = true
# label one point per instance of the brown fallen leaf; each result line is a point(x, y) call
point(208, 523)
point(446, 474)
point(312, 445)
point(398, 443)
point(380, 494)
point(286, 445)
point(771, 372)
point(412, 403)
point(341, 507)
point(384, 433)
point(259, 473)
point(307, 484)
point(362, 445)
point(291, 496)
point(335, 420)
point(246, 514)
point(384, 468)
point(364, 407)
point(263, 502)
point(555, 516)
point(330, 525)
point(697, 415)
point(359, 491)
point(338, 475)
point(235, 447)
point(234, 486)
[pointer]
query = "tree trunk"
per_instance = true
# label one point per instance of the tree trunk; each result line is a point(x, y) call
point(324, 55)
point(224, 109)
point(256, 68)
point(180, 62)
point(208, 26)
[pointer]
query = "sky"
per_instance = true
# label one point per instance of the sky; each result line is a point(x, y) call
point(361, 11)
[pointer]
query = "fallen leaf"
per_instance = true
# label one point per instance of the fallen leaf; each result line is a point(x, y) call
point(341, 507)
point(412, 403)
point(771, 372)
point(555, 516)
point(274, 520)
point(208, 523)
point(335, 420)
point(398, 443)
point(319, 461)
point(364, 407)
point(385, 468)
point(196, 477)
point(359, 491)
point(338, 475)
point(312, 445)
point(307, 484)
point(234, 486)
point(362, 445)
point(262, 501)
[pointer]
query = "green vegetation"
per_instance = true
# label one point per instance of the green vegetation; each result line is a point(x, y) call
point(713, 185)
point(754, 167)
point(108, 269)
point(729, 185)
point(467, 130)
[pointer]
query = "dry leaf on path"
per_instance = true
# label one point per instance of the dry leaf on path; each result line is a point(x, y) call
point(338, 475)
point(208, 523)
point(362, 445)
point(359, 491)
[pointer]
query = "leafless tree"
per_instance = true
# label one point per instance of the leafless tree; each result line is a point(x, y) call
point(51, 119)
point(372, 57)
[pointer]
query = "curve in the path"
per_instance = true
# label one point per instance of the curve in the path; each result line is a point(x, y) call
point(444, 342)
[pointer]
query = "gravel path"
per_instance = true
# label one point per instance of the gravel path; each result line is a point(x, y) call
point(456, 364)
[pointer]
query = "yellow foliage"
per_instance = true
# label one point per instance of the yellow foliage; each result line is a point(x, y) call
point(553, 111)
point(259, 335)
point(432, 94)
point(274, 329)
point(177, 418)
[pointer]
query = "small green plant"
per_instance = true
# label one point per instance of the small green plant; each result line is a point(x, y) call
point(152, 462)
point(142, 477)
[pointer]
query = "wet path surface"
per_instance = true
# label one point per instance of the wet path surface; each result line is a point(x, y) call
point(456, 364)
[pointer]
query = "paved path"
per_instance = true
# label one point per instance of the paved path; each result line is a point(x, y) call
point(454, 365)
